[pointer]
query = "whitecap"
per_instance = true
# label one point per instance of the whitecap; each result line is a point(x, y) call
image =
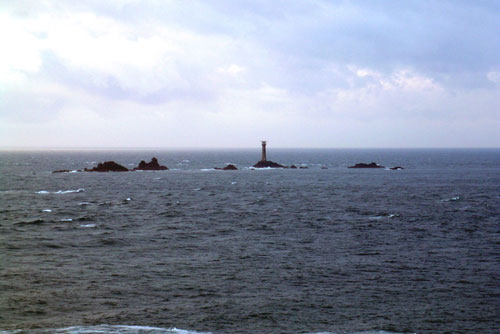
point(79, 190)
point(128, 199)
point(197, 189)
point(87, 225)
point(66, 220)
point(121, 329)
point(234, 182)
point(46, 210)
point(207, 169)
point(43, 192)
point(455, 198)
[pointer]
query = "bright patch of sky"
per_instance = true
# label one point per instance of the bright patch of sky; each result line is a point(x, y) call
point(231, 73)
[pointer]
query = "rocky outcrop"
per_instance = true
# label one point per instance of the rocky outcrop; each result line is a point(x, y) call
point(152, 165)
point(396, 168)
point(62, 171)
point(268, 164)
point(107, 166)
point(228, 167)
point(370, 165)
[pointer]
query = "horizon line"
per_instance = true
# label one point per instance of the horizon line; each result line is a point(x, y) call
point(145, 148)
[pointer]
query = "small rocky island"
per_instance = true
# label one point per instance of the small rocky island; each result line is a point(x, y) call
point(264, 163)
point(374, 165)
point(107, 166)
point(228, 167)
point(111, 166)
point(364, 165)
point(152, 165)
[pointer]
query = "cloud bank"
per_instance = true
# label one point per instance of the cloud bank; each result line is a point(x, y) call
point(228, 74)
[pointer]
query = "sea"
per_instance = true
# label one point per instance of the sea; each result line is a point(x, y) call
point(316, 250)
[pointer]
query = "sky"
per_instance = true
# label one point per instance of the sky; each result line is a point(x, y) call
point(227, 74)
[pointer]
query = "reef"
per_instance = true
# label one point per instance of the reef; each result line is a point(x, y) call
point(370, 165)
point(268, 164)
point(152, 165)
point(62, 171)
point(228, 167)
point(107, 166)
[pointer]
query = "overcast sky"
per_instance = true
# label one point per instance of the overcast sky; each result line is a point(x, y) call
point(231, 73)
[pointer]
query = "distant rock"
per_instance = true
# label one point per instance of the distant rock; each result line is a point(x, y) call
point(62, 171)
point(324, 167)
point(396, 168)
point(230, 167)
point(107, 166)
point(363, 165)
point(293, 167)
point(152, 165)
point(268, 164)
point(303, 167)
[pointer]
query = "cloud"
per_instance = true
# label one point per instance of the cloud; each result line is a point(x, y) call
point(251, 66)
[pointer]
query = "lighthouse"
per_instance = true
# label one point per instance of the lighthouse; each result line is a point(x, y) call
point(264, 157)
point(264, 163)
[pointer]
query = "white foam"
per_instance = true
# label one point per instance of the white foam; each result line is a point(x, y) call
point(46, 210)
point(87, 225)
point(128, 199)
point(234, 182)
point(43, 192)
point(121, 329)
point(66, 220)
point(364, 332)
point(207, 169)
point(79, 190)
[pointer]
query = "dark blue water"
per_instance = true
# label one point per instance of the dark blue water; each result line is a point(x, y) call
point(251, 251)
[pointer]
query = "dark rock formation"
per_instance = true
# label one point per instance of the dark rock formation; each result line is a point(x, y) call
point(152, 165)
point(396, 168)
point(303, 167)
point(230, 167)
point(363, 165)
point(107, 166)
point(62, 171)
point(293, 167)
point(324, 167)
point(268, 164)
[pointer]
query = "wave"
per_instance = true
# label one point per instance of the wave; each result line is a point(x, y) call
point(452, 199)
point(124, 329)
point(79, 190)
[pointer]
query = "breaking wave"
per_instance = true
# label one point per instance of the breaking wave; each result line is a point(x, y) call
point(79, 190)
point(124, 329)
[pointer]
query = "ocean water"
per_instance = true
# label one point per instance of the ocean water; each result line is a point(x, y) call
point(195, 250)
